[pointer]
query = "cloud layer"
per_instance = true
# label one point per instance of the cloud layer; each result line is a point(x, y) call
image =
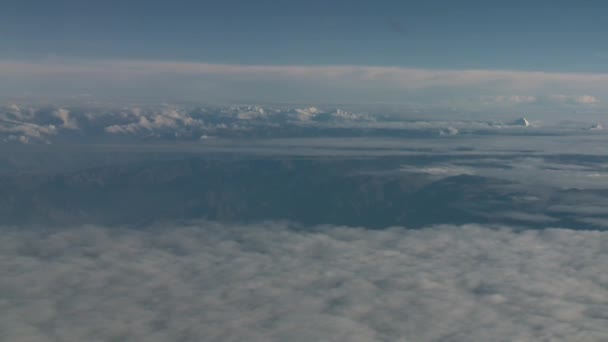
point(271, 282)
point(28, 123)
point(358, 83)
point(411, 77)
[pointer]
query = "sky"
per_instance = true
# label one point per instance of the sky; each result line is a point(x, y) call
point(540, 35)
point(475, 209)
point(514, 36)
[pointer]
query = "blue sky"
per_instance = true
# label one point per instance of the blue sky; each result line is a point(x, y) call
point(531, 35)
point(548, 36)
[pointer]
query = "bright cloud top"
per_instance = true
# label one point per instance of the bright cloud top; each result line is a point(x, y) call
point(268, 282)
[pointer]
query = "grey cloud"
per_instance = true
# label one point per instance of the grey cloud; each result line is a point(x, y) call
point(583, 208)
point(269, 282)
point(526, 217)
point(601, 222)
point(449, 131)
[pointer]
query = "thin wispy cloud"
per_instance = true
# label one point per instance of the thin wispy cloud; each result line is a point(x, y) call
point(299, 83)
point(409, 77)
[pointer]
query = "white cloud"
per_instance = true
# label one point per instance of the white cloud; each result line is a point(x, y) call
point(165, 119)
point(307, 113)
point(270, 283)
point(15, 112)
point(25, 132)
point(512, 99)
point(67, 121)
point(444, 170)
point(449, 131)
point(411, 78)
point(586, 99)
point(578, 99)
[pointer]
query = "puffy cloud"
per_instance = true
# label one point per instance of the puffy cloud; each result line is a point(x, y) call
point(269, 282)
point(166, 119)
point(187, 123)
point(25, 132)
point(321, 116)
point(67, 121)
point(252, 113)
point(22, 125)
point(449, 131)
point(586, 99)
point(15, 112)
point(307, 113)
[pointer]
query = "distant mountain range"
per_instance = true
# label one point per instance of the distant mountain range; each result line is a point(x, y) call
point(348, 192)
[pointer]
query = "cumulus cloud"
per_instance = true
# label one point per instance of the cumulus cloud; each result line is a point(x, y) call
point(586, 99)
point(307, 113)
point(25, 132)
point(67, 121)
point(449, 131)
point(270, 282)
point(15, 112)
point(18, 124)
point(181, 122)
point(165, 119)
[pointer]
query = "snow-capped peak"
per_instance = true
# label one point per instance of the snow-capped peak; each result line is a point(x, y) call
point(596, 127)
point(521, 122)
